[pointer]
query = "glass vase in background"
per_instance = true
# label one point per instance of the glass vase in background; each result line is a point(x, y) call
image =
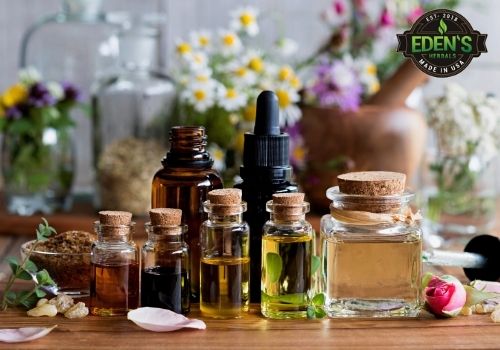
point(461, 196)
point(38, 170)
point(131, 106)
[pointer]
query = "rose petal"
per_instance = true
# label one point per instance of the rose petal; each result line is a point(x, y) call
point(17, 335)
point(162, 320)
point(458, 297)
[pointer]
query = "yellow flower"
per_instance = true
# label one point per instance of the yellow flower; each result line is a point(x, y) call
point(249, 112)
point(240, 71)
point(239, 142)
point(284, 98)
point(371, 69)
point(295, 82)
point(183, 48)
point(247, 18)
point(229, 39)
point(256, 64)
point(14, 95)
point(374, 87)
point(285, 73)
point(199, 95)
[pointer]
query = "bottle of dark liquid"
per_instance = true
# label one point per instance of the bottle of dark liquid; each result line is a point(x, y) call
point(266, 170)
point(165, 262)
point(183, 182)
point(114, 281)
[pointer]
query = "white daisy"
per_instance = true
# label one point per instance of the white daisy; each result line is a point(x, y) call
point(254, 61)
point(244, 20)
point(200, 96)
point(287, 99)
point(55, 90)
point(286, 47)
point(242, 75)
point(183, 48)
point(218, 156)
point(29, 76)
point(230, 98)
point(201, 39)
point(229, 42)
point(197, 61)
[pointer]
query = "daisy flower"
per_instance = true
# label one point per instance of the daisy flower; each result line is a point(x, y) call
point(218, 155)
point(55, 90)
point(286, 47)
point(201, 39)
point(229, 42)
point(200, 96)
point(254, 61)
point(242, 75)
point(183, 48)
point(230, 98)
point(29, 76)
point(287, 99)
point(197, 61)
point(244, 20)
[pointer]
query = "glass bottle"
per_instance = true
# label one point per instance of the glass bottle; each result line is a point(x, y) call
point(371, 248)
point(287, 250)
point(114, 280)
point(165, 262)
point(183, 182)
point(225, 260)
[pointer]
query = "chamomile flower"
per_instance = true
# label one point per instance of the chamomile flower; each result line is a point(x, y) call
point(55, 89)
point(183, 48)
point(201, 39)
point(200, 96)
point(203, 76)
point(229, 42)
point(218, 155)
point(244, 20)
point(230, 98)
point(243, 76)
point(287, 99)
point(29, 76)
point(286, 47)
point(197, 60)
point(254, 61)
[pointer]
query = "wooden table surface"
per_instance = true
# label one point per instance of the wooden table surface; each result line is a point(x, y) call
point(251, 332)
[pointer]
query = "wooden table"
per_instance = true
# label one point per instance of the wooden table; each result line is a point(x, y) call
point(252, 332)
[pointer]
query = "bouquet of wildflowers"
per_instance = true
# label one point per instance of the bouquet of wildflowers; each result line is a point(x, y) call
point(27, 110)
point(220, 75)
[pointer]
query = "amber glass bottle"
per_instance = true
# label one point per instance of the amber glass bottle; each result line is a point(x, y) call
point(183, 182)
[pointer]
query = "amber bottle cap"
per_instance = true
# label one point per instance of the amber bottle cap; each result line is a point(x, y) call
point(372, 183)
point(115, 218)
point(225, 201)
point(165, 216)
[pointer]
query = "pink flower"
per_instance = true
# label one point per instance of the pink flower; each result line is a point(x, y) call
point(415, 14)
point(386, 18)
point(339, 7)
point(445, 295)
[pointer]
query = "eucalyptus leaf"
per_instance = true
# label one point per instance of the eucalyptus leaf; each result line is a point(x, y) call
point(274, 265)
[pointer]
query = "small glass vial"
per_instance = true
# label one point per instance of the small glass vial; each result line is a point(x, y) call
point(371, 247)
point(225, 261)
point(114, 280)
point(287, 249)
point(165, 262)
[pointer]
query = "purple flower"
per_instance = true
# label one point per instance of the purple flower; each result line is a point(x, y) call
point(297, 147)
point(39, 96)
point(386, 18)
point(336, 85)
point(339, 7)
point(13, 113)
point(71, 92)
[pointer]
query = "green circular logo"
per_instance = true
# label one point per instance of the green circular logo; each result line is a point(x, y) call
point(441, 43)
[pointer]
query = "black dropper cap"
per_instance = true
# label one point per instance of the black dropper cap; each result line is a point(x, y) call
point(266, 147)
point(489, 247)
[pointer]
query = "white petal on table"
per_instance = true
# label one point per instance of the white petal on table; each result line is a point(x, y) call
point(18, 335)
point(162, 320)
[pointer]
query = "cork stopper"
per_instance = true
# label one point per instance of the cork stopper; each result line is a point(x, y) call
point(165, 217)
point(372, 183)
point(115, 218)
point(288, 206)
point(225, 201)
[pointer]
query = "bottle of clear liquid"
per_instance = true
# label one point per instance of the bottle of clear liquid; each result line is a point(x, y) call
point(165, 262)
point(287, 251)
point(114, 280)
point(225, 260)
point(371, 248)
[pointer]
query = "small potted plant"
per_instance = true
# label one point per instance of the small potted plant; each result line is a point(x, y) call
point(37, 149)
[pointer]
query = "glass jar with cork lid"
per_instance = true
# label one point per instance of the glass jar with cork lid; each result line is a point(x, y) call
point(165, 262)
point(225, 260)
point(371, 247)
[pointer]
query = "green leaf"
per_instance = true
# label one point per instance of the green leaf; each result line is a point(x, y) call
point(319, 299)
point(14, 265)
point(44, 278)
point(443, 28)
point(24, 275)
point(426, 279)
point(315, 264)
point(274, 265)
point(30, 266)
point(476, 296)
point(40, 293)
point(27, 299)
point(311, 312)
point(320, 313)
point(11, 296)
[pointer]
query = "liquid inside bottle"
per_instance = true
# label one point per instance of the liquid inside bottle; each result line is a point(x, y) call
point(286, 276)
point(224, 287)
point(114, 289)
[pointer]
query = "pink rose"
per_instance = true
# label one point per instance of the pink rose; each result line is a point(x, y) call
point(445, 295)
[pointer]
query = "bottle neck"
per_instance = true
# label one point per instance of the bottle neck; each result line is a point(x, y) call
point(188, 148)
point(225, 219)
point(287, 220)
point(114, 234)
point(164, 233)
point(82, 9)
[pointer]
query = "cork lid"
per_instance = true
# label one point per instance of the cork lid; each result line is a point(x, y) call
point(372, 183)
point(165, 216)
point(225, 201)
point(289, 206)
point(115, 218)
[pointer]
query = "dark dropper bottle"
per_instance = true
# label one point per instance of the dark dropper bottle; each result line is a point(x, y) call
point(266, 170)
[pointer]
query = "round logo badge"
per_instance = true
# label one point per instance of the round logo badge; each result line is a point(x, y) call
point(441, 43)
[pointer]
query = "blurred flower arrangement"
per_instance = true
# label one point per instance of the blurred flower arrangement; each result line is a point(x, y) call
point(34, 116)
point(467, 130)
point(220, 75)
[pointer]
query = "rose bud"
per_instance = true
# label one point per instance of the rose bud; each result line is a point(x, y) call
point(445, 295)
